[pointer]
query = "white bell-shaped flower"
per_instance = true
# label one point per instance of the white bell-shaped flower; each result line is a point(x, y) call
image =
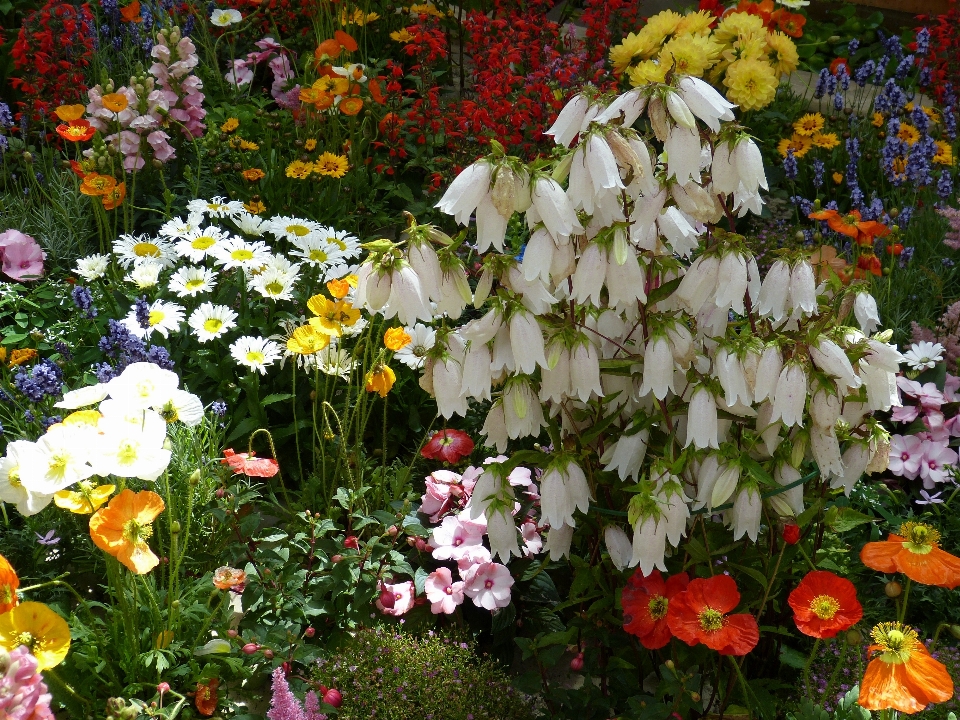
point(407, 299)
point(625, 455)
point(855, 460)
point(683, 154)
point(585, 371)
point(558, 541)
point(702, 429)
point(768, 373)
point(790, 395)
point(476, 378)
point(538, 256)
point(824, 408)
point(526, 341)
point(553, 207)
point(746, 513)
point(625, 108)
point(495, 428)
point(649, 544)
point(466, 191)
point(865, 310)
point(729, 371)
point(679, 111)
point(785, 474)
point(502, 534)
point(568, 123)
point(699, 285)
point(830, 357)
point(618, 546)
point(658, 366)
point(768, 428)
point(732, 282)
point(774, 291)
point(590, 274)
point(425, 263)
point(803, 289)
point(825, 449)
point(704, 101)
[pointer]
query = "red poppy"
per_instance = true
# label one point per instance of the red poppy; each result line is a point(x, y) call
point(714, 7)
point(791, 533)
point(835, 65)
point(448, 445)
point(763, 9)
point(916, 554)
point(247, 464)
point(870, 263)
point(789, 23)
point(824, 604)
point(76, 131)
point(645, 601)
point(699, 615)
point(863, 231)
point(206, 697)
point(77, 169)
point(895, 249)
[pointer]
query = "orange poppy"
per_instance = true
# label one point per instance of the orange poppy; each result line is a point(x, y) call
point(869, 263)
point(699, 615)
point(645, 601)
point(206, 697)
point(351, 105)
point(903, 676)
point(115, 102)
point(115, 197)
point(330, 48)
point(837, 62)
point(123, 527)
point(131, 13)
point(345, 40)
point(824, 604)
point(95, 184)
point(9, 582)
point(70, 112)
point(762, 9)
point(374, 87)
point(916, 554)
point(77, 169)
point(76, 131)
point(863, 231)
point(789, 23)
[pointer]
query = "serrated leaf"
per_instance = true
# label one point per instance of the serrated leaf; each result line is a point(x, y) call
point(275, 397)
point(842, 519)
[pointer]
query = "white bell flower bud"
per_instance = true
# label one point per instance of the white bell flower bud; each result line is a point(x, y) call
point(699, 285)
point(746, 155)
point(774, 291)
point(526, 340)
point(501, 358)
point(855, 460)
point(626, 108)
point(483, 330)
point(768, 373)
point(649, 544)
point(729, 372)
point(824, 409)
point(790, 395)
point(681, 344)
point(679, 111)
point(753, 281)
point(555, 378)
point(785, 474)
point(604, 173)
point(702, 426)
point(558, 541)
point(585, 371)
point(644, 179)
point(657, 368)
point(373, 287)
point(706, 476)
point(826, 451)
point(724, 486)
point(704, 101)
point(882, 393)
point(618, 546)
point(803, 289)
point(447, 385)
point(732, 282)
point(882, 355)
point(865, 310)
point(746, 513)
point(625, 456)
point(830, 357)
point(476, 378)
point(567, 125)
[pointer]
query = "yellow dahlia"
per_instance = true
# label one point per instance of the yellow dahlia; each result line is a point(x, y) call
point(690, 54)
point(697, 23)
point(646, 72)
point(783, 53)
point(736, 25)
point(751, 84)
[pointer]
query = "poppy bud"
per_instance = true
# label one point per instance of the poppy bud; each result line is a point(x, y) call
point(249, 648)
point(695, 697)
point(955, 631)
point(577, 663)
point(893, 589)
point(194, 478)
point(392, 531)
point(310, 632)
point(669, 665)
point(351, 542)
point(232, 633)
point(854, 637)
point(791, 533)
point(333, 697)
point(175, 527)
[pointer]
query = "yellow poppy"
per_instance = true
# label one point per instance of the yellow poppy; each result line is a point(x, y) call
point(115, 102)
point(332, 316)
point(124, 526)
point(380, 380)
point(306, 340)
point(396, 338)
point(837, 177)
point(86, 500)
point(43, 631)
point(70, 112)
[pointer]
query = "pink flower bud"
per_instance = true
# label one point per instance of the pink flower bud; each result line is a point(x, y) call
point(250, 648)
point(577, 663)
point(232, 633)
point(163, 687)
point(268, 654)
point(310, 631)
point(336, 558)
point(387, 598)
point(333, 697)
point(351, 542)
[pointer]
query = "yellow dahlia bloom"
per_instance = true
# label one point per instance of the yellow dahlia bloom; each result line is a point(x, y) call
point(663, 23)
point(751, 84)
point(783, 53)
point(697, 23)
point(690, 54)
point(736, 25)
point(646, 72)
point(633, 45)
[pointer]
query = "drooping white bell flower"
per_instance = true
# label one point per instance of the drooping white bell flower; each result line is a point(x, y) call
point(476, 378)
point(644, 179)
point(699, 285)
point(585, 371)
point(683, 154)
point(696, 202)
point(491, 226)
point(618, 545)
point(590, 274)
point(785, 474)
point(407, 299)
point(558, 541)
point(568, 123)
point(425, 263)
point(523, 411)
point(649, 544)
point(533, 293)
point(658, 366)
point(855, 460)
point(681, 344)
point(682, 237)
point(625, 108)
point(767, 428)
point(723, 170)
point(502, 534)
point(745, 515)
point(674, 507)
point(625, 456)
point(563, 490)
point(729, 371)
point(495, 428)
point(882, 355)
point(604, 172)
point(865, 309)
point(373, 287)
point(790, 395)
point(502, 359)
point(803, 289)
point(448, 385)
point(774, 291)
point(732, 282)
point(881, 388)
point(826, 451)
point(625, 281)
point(467, 191)
point(526, 341)
point(830, 357)
point(825, 408)
point(679, 111)
point(728, 477)
point(553, 207)
point(704, 101)
point(702, 428)
point(538, 255)
point(454, 290)
point(484, 329)
point(768, 373)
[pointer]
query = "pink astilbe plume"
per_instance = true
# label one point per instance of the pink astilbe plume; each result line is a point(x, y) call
point(947, 332)
point(23, 694)
point(283, 704)
point(952, 239)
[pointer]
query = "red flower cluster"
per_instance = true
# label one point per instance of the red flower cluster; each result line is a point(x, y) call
point(775, 19)
point(52, 53)
point(943, 60)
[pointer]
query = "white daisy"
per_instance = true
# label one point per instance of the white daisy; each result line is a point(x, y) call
point(335, 361)
point(217, 206)
point(192, 281)
point(145, 274)
point(923, 355)
point(237, 253)
point(414, 353)
point(348, 244)
point(210, 321)
point(92, 267)
point(292, 228)
point(177, 228)
point(199, 243)
point(274, 285)
point(255, 353)
point(281, 264)
point(135, 249)
point(165, 317)
point(250, 224)
point(316, 250)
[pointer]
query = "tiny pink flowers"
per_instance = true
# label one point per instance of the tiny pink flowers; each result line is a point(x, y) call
point(443, 593)
point(488, 585)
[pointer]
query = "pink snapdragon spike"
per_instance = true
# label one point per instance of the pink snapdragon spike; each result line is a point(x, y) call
point(23, 694)
point(906, 453)
point(443, 593)
point(403, 598)
point(488, 585)
point(22, 256)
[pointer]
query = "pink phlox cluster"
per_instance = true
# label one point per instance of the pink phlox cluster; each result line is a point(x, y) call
point(926, 454)
point(284, 705)
point(177, 58)
point(278, 60)
point(952, 238)
point(23, 694)
point(947, 332)
point(22, 258)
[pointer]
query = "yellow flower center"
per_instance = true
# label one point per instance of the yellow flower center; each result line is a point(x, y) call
point(28, 639)
point(156, 316)
point(897, 642)
point(146, 249)
point(168, 412)
point(215, 207)
point(76, 131)
point(318, 255)
point(658, 607)
point(255, 357)
point(920, 538)
point(57, 467)
point(194, 284)
point(135, 531)
point(203, 242)
point(298, 230)
point(273, 288)
point(242, 255)
point(824, 607)
point(211, 325)
point(6, 594)
point(711, 620)
point(13, 478)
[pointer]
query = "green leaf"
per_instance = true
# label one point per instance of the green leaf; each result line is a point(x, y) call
point(504, 618)
point(792, 658)
point(753, 573)
point(663, 291)
point(275, 397)
point(842, 519)
point(245, 426)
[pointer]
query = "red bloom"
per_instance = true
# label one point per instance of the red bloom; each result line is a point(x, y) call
point(837, 62)
point(76, 131)
point(206, 697)
point(791, 533)
point(699, 615)
point(247, 464)
point(645, 603)
point(870, 263)
point(789, 23)
point(824, 604)
point(448, 445)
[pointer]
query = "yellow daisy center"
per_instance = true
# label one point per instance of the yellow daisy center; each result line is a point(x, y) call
point(824, 607)
point(156, 316)
point(146, 249)
point(211, 325)
point(242, 254)
point(194, 284)
point(318, 255)
point(298, 230)
point(203, 242)
point(711, 620)
point(255, 357)
point(273, 288)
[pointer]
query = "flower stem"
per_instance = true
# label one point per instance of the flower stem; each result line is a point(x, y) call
point(906, 598)
point(808, 665)
point(836, 671)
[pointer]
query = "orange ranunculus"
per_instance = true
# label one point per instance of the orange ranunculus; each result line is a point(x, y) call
point(206, 697)
point(345, 40)
point(789, 23)
point(330, 48)
point(115, 102)
point(351, 105)
point(131, 13)
point(903, 676)
point(96, 185)
point(646, 601)
point(9, 582)
point(916, 554)
point(115, 197)
point(70, 112)
point(699, 615)
point(123, 527)
point(76, 131)
point(824, 604)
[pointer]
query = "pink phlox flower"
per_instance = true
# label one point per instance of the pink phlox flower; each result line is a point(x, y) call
point(471, 557)
point(933, 465)
point(452, 539)
point(488, 585)
point(905, 413)
point(443, 593)
point(403, 597)
point(532, 542)
point(906, 452)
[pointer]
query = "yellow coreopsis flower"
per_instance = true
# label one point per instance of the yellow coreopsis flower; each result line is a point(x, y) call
point(43, 631)
point(837, 177)
point(401, 36)
point(396, 338)
point(310, 145)
point(86, 500)
point(751, 84)
point(944, 154)
point(306, 340)
point(877, 119)
point(299, 170)
point(800, 144)
point(247, 145)
point(254, 207)
point(380, 379)
point(229, 125)
point(827, 141)
point(809, 124)
point(783, 53)
point(908, 133)
point(332, 316)
point(331, 165)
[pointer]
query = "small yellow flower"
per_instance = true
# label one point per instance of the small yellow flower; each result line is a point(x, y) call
point(798, 143)
point(809, 124)
point(3, 354)
point(230, 125)
point(332, 316)
point(837, 178)
point(305, 340)
point(42, 630)
point(425, 9)
point(908, 133)
point(695, 23)
point(944, 154)
point(396, 338)
point(331, 165)
point(338, 288)
point(401, 36)
point(827, 141)
point(310, 145)
point(357, 17)
point(86, 499)
point(254, 207)
point(380, 379)
point(253, 174)
point(299, 169)
point(70, 112)
point(19, 357)
point(877, 119)
point(247, 145)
